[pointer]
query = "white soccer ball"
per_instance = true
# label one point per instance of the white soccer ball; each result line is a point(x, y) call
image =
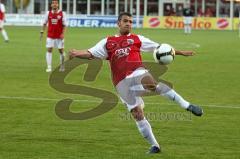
point(164, 54)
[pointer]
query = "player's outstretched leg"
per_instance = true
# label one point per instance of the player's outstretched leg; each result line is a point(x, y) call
point(149, 83)
point(145, 129)
point(168, 92)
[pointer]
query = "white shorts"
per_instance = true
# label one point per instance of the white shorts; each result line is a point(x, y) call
point(55, 43)
point(187, 20)
point(130, 89)
point(1, 23)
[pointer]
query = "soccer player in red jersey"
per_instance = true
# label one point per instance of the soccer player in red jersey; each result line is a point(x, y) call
point(129, 75)
point(2, 19)
point(56, 21)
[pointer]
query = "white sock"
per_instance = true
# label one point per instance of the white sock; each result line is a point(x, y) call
point(185, 28)
point(62, 58)
point(189, 29)
point(49, 59)
point(145, 129)
point(4, 34)
point(166, 91)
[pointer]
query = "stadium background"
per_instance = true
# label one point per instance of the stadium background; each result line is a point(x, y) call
point(148, 13)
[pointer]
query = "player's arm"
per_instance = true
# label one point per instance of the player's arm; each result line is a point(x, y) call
point(147, 45)
point(42, 31)
point(83, 54)
point(2, 8)
point(184, 53)
point(4, 17)
point(43, 28)
point(98, 51)
point(63, 32)
point(45, 21)
point(64, 22)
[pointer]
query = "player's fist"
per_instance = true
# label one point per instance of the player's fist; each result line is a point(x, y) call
point(41, 35)
point(62, 36)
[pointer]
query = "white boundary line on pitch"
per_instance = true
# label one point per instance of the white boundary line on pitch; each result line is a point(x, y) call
point(95, 101)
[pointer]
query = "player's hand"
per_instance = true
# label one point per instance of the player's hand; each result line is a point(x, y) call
point(62, 36)
point(41, 35)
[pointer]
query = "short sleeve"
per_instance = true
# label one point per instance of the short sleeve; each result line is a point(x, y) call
point(45, 20)
point(64, 19)
point(147, 44)
point(2, 8)
point(99, 50)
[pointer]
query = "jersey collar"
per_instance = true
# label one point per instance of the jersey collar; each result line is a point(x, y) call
point(129, 34)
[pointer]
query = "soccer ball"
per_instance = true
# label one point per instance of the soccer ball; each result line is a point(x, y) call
point(164, 54)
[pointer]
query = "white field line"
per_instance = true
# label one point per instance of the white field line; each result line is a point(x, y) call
point(97, 101)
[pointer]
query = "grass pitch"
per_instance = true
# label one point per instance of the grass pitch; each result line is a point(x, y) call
point(29, 127)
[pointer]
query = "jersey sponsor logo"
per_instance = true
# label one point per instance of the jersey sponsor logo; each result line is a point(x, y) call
point(113, 45)
point(122, 52)
point(54, 21)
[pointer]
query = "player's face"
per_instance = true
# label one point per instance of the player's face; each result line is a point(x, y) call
point(54, 5)
point(125, 25)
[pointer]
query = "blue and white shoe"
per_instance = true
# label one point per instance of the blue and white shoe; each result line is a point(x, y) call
point(196, 110)
point(154, 149)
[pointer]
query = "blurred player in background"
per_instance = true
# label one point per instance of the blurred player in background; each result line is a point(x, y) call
point(2, 20)
point(129, 75)
point(187, 19)
point(56, 21)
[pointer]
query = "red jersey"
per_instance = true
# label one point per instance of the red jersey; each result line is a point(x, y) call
point(123, 53)
point(2, 11)
point(56, 23)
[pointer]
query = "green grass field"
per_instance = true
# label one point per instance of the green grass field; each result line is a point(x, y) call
point(30, 129)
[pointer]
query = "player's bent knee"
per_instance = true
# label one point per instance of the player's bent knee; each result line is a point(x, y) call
point(50, 50)
point(149, 83)
point(61, 51)
point(137, 113)
point(151, 87)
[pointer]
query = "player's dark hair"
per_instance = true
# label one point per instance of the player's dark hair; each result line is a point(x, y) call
point(55, 0)
point(124, 14)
